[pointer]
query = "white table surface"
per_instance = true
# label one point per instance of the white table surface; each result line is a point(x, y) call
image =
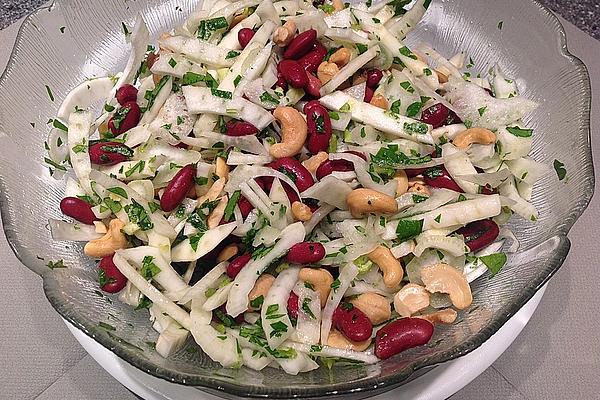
point(557, 356)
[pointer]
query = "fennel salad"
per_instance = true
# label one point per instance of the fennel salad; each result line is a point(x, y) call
point(287, 182)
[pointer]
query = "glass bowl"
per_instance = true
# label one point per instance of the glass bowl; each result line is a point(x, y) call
point(70, 41)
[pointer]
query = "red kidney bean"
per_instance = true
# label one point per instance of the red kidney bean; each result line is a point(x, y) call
point(352, 323)
point(369, 92)
point(329, 166)
point(440, 178)
point(439, 115)
point(293, 73)
point(244, 204)
point(292, 305)
point(109, 153)
point(479, 234)
point(236, 265)
point(306, 253)
point(411, 173)
point(311, 60)
point(240, 128)
point(487, 189)
point(125, 118)
point(313, 87)
point(402, 335)
point(178, 188)
point(301, 44)
point(110, 278)
point(126, 93)
point(281, 82)
point(78, 209)
point(373, 78)
point(292, 167)
point(357, 153)
point(244, 36)
point(319, 126)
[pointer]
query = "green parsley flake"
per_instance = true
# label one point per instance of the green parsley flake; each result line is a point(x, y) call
point(408, 229)
point(494, 262)
point(519, 132)
point(561, 172)
point(119, 192)
point(49, 91)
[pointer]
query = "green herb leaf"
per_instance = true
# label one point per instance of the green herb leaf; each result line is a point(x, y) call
point(49, 91)
point(257, 302)
point(306, 307)
point(278, 329)
point(519, 132)
point(230, 207)
point(119, 192)
point(500, 24)
point(561, 172)
point(413, 109)
point(408, 229)
point(335, 285)
point(482, 111)
point(224, 94)
point(494, 262)
point(405, 51)
point(56, 264)
point(361, 48)
point(345, 108)
point(232, 54)
point(139, 166)
point(149, 269)
point(266, 97)
point(172, 62)
point(137, 215)
point(398, 6)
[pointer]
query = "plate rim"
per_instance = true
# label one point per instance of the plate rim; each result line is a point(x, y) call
point(369, 384)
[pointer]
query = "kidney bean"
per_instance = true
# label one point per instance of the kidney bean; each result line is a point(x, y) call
point(439, 115)
point(292, 167)
point(301, 44)
point(293, 73)
point(281, 82)
point(329, 166)
point(487, 189)
point(401, 335)
point(373, 78)
point(440, 178)
point(313, 87)
point(109, 153)
point(240, 128)
point(369, 92)
point(411, 173)
point(319, 126)
point(352, 323)
point(292, 305)
point(357, 153)
point(306, 253)
point(236, 265)
point(244, 36)
point(479, 234)
point(178, 188)
point(126, 93)
point(125, 118)
point(78, 209)
point(311, 60)
point(110, 278)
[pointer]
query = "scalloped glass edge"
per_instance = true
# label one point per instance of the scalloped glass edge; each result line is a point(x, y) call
point(370, 386)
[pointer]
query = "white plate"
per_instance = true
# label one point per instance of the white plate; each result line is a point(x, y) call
point(440, 383)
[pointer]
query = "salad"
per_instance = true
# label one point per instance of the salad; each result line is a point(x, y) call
point(288, 183)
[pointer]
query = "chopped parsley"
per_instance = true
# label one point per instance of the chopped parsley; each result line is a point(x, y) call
point(232, 54)
point(266, 97)
point(408, 229)
point(494, 262)
point(361, 48)
point(482, 111)
point(172, 62)
point(224, 94)
point(233, 200)
point(306, 307)
point(118, 191)
point(559, 167)
point(257, 302)
point(49, 91)
point(137, 215)
point(519, 132)
point(56, 264)
point(405, 51)
point(149, 269)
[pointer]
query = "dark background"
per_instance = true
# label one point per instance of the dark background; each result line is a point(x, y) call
point(583, 13)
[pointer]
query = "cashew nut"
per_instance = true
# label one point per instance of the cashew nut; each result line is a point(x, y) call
point(379, 101)
point(388, 264)
point(446, 316)
point(284, 34)
point(340, 57)
point(364, 201)
point(374, 305)
point(261, 288)
point(221, 168)
point(444, 278)
point(214, 191)
point(301, 211)
point(419, 188)
point(237, 19)
point(472, 136)
point(100, 227)
point(338, 5)
point(411, 299)
point(326, 71)
point(293, 132)
point(443, 78)
point(339, 341)
point(227, 253)
point(217, 214)
point(313, 163)
point(109, 243)
point(320, 279)
point(402, 181)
